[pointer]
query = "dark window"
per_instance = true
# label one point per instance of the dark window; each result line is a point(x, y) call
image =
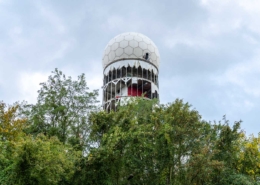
point(146, 56)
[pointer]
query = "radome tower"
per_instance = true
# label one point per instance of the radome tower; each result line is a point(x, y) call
point(131, 68)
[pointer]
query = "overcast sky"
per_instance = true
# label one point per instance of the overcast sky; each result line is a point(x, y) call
point(210, 49)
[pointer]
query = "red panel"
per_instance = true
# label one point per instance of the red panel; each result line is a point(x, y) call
point(134, 92)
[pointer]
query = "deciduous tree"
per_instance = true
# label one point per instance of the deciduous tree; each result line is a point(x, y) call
point(63, 108)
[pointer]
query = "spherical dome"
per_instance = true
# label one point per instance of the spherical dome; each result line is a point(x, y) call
point(130, 46)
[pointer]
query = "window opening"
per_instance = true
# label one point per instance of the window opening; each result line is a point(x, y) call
point(146, 56)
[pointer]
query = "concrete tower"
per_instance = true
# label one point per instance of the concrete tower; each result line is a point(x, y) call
point(131, 67)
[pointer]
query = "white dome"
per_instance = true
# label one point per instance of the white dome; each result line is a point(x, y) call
point(130, 46)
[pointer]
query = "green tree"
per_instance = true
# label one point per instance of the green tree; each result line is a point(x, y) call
point(227, 146)
point(37, 160)
point(162, 144)
point(63, 108)
point(124, 141)
point(178, 137)
point(31, 160)
point(153, 143)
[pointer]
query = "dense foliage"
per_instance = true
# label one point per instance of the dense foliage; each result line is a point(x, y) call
point(66, 139)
